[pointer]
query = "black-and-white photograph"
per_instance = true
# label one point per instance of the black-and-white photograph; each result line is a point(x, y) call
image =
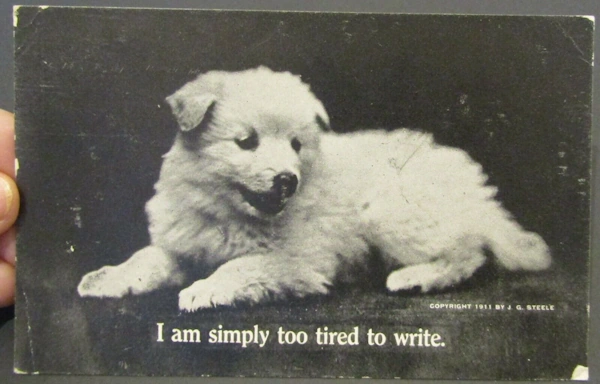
point(302, 194)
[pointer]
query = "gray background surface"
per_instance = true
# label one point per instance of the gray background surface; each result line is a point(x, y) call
point(462, 7)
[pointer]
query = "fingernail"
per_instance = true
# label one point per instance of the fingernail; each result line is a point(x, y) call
point(6, 197)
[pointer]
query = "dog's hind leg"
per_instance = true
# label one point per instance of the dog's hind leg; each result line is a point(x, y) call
point(147, 270)
point(451, 267)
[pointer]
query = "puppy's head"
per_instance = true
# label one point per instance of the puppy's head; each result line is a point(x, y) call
point(256, 133)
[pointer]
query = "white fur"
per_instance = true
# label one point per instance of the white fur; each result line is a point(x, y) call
point(426, 208)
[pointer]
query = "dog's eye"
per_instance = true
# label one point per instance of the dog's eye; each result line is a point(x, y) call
point(249, 142)
point(296, 144)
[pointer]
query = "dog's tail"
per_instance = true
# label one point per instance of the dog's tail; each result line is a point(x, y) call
point(518, 249)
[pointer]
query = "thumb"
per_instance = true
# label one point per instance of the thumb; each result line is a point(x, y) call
point(9, 202)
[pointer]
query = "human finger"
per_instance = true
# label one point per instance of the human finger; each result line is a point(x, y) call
point(7, 143)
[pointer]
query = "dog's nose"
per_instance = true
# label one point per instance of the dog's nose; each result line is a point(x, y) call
point(285, 183)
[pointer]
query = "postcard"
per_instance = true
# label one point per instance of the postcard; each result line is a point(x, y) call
point(302, 194)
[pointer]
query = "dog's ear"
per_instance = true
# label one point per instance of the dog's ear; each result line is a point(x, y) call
point(190, 111)
point(322, 123)
point(322, 118)
point(193, 103)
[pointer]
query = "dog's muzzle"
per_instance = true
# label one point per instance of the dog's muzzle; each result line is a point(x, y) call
point(272, 201)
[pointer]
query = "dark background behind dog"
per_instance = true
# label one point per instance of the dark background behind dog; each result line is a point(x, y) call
point(513, 92)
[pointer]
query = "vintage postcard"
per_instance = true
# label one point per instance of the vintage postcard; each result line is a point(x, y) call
point(302, 194)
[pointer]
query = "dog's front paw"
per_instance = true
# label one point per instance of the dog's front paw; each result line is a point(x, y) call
point(102, 283)
point(209, 294)
point(253, 280)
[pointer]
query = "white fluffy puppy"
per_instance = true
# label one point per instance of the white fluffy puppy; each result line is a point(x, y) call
point(256, 191)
